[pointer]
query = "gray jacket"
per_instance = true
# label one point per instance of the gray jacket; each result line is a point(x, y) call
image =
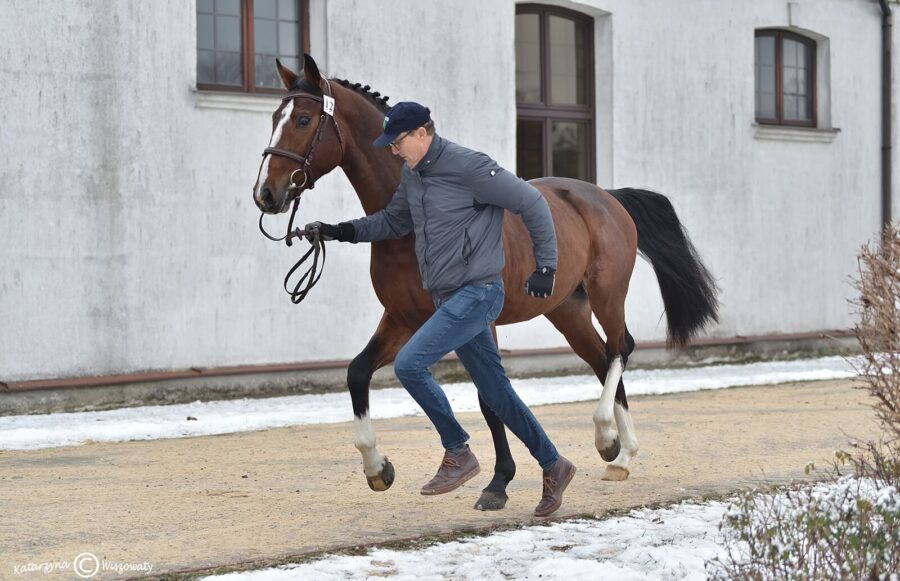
point(454, 201)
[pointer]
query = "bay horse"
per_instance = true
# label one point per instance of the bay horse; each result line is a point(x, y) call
point(322, 124)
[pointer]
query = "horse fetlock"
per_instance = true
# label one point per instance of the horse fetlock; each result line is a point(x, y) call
point(607, 444)
point(383, 479)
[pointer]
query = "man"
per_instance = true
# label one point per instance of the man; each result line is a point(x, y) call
point(453, 199)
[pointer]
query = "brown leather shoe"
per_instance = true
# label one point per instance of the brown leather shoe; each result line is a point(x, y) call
point(555, 482)
point(455, 470)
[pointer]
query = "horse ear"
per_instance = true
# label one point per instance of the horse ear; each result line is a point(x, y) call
point(311, 71)
point(288, 77)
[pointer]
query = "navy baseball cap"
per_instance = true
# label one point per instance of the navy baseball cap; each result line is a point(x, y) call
point(404, 116)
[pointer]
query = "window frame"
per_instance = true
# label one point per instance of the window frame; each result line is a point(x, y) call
point(547, 111)
point(779, 35)
point(248, 55)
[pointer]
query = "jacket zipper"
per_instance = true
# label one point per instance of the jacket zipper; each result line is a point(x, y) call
point(424, 216)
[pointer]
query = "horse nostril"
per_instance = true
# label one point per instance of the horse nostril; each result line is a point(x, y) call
point(268, 199)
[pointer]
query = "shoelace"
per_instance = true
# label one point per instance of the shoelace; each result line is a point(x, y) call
point(449, 463)
point(549, 483)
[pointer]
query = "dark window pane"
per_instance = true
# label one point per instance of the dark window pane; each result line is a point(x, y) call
point(265, 35)
point(206, 66)
point(228, 33)
point(570, 150)
point(790, 81)
point(765, 50)
point(207, 6)
point(567, 79)
point(765, 106)
point(288, 38)
point(265, 9)
point(529, 148)
point(287, 9)
point(789, 49)
point(229, 70)
point(528, 58)
point(803, 112)
point(790, 108)
point(206, 39)
point(797, 94)
point(232, 7)
point(765, 77)
point(266, 73)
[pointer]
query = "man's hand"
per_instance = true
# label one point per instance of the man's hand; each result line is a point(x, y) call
point(343, 232)
point(540, 284)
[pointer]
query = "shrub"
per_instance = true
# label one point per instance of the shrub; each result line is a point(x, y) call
point(848, 527)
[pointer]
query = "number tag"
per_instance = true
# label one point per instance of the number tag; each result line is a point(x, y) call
point(328, 105)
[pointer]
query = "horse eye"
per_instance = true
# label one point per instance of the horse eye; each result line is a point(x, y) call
point(303, 122)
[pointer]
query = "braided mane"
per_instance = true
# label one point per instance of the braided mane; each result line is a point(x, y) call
point(301, 84)
point(374, 97)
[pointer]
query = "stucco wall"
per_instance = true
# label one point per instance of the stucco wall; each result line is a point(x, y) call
point(128, 233)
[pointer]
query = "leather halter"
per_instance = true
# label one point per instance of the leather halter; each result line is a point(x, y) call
point(306, 160)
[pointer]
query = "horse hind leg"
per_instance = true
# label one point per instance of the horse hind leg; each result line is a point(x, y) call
point(380, 351)
point(494, 496)
point(614, 434)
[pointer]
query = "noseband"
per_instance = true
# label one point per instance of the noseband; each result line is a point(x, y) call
point(314, 273)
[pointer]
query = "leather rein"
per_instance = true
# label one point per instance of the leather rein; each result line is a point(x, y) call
point(314, 272)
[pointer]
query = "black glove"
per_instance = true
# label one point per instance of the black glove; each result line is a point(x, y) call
point(343, 232)
point(540, 284)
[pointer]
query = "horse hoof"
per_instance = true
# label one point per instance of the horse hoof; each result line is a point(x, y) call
point(491, 500)
point(612, 452)
point(383, 480)
point(615, 473)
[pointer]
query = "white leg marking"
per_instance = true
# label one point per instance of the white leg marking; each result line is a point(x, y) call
point(364, 440)
point(627, 438)
point(273, 142)
point(604, 419)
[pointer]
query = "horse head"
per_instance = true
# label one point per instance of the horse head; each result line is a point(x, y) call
point(306, 141)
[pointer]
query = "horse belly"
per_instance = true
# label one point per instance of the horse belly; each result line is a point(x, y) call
point(573, 252)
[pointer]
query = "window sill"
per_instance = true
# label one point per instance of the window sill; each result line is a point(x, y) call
point(787, 133)
point(236, 101)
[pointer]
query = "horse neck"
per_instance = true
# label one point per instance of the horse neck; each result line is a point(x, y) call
point(373, 172)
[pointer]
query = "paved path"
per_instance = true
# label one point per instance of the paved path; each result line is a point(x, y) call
point(260, 497)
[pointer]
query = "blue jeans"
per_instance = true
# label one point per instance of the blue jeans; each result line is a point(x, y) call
point(462, 323)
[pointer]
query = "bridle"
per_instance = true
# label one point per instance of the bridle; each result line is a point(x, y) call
point(314, 273)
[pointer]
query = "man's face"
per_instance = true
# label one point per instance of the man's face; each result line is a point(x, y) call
point(412, 146)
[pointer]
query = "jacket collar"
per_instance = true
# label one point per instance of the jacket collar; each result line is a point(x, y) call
point(434, 152)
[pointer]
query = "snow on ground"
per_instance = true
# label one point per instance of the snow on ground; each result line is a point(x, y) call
point(665, 543)
point(674, 542)
point(221, 417)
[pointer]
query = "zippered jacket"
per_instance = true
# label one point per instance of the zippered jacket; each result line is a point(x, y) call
point(454, 201)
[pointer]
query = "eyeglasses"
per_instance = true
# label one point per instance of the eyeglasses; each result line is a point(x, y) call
point(395, 144)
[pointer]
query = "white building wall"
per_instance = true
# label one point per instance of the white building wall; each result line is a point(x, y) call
point(128, 233)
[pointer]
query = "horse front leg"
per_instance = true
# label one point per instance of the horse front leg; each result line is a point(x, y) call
point(381, 349)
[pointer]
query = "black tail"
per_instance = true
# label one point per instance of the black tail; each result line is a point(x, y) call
point(689, 292)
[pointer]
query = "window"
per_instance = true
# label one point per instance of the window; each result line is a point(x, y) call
point(554, 93)
point(239, 40)
point(785, 78)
